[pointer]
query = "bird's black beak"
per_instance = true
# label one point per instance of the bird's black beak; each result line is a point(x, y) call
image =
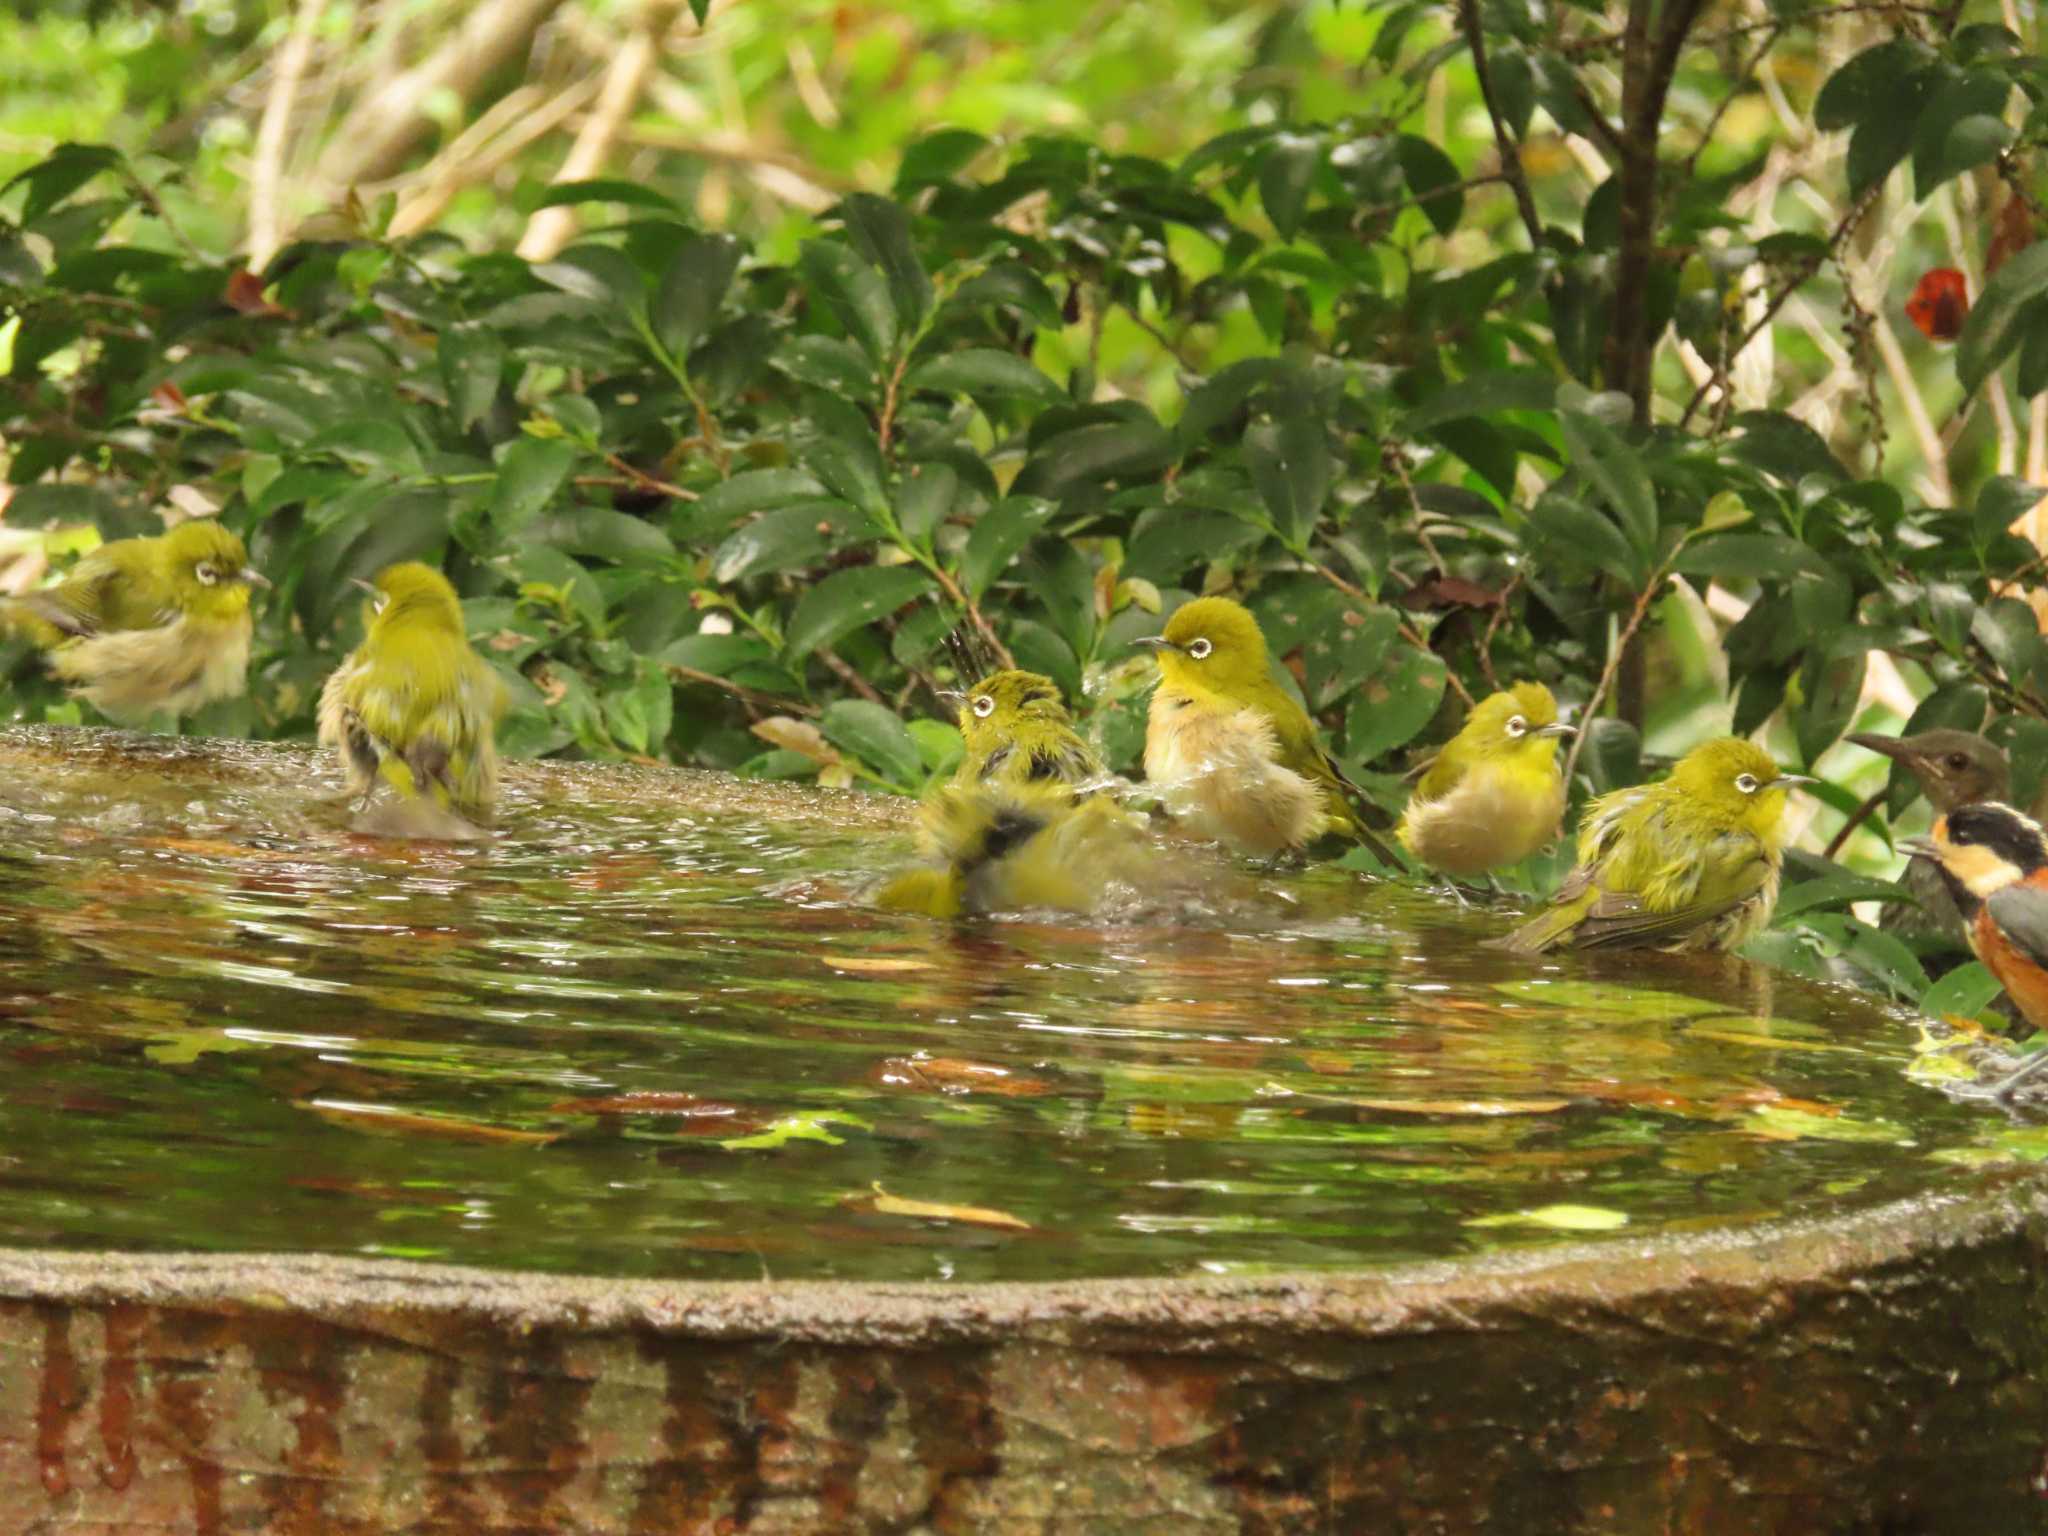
point(1559, 729)
point(1156, 643)
point(1921, 847)
point(952, 696)
point(254, 578)
point(1795, 778)
point(369, 589)
point(1893, 747)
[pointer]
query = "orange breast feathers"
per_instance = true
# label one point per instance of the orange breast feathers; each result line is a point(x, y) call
point(2022, 975)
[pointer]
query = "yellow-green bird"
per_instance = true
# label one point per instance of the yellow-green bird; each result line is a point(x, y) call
point(1018, 846)
point(150, 624)
point(1017, 731)
point(413, 707)
point(1689, 864)
point(1495, 794)
point(1234, 758)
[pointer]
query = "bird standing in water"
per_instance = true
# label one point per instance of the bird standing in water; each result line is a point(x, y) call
point(1686, 865)
point(1994, 863)
point(1495, 794)
point(150, 624)
point(1017, 731)
point(414, 708)
point(1234, 758)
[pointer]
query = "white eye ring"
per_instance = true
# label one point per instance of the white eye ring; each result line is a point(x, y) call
point(984, 707)
point(1199, 648)
point(206, 573)
point(1746, 782)
point(1517, 726)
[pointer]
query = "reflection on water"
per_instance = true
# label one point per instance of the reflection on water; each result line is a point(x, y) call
point(651, 1030)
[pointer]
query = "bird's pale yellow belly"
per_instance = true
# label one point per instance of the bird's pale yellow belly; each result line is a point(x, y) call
point(1218, 777)
point(1489, 819)
point(129, 674)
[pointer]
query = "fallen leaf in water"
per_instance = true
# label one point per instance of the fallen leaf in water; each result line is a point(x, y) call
point(1564, 1218)
point(942, 1074)
point(1777, 1124)
point(794, 1128)
point(876, 965)
point(1460, 1106)
point(382, 1119)
point(886, 1204)
point(1763, 1042)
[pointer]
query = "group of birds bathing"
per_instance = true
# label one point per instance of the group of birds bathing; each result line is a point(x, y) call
point(1031, 819)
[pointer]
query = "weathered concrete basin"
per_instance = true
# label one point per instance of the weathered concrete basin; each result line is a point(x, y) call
point(1830, 1315)
point(1887, 1373)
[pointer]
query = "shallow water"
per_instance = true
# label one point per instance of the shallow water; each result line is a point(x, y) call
point(652, 1030)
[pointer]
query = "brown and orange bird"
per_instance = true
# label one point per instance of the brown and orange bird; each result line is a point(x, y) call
point(1994, 862)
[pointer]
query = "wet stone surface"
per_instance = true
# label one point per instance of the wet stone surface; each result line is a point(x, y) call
point(652, 1029)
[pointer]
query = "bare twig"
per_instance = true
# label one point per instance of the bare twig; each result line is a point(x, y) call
point(387, 122)
point(1856, 819)
point(551, 228)
point(753, 698)
point(1615, 652)
point(273, 135)
point(1510, 151)
point(838, 667)
point(975, 616)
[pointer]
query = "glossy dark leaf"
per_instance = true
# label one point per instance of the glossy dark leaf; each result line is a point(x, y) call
point(857, 294)
point(1289, 459)
point(1287, 172)
point(691, 291)
point(983, 371)
point(2013, 304)
point(472, 360)
point(880, 230)
point(530, 473)
point(846, 600)
point(1432, 180)
point(877, 737)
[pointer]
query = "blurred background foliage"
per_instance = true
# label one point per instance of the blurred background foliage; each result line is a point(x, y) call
point(757, 369)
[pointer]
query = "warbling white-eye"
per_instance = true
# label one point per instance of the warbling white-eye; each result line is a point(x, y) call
point(1688, 864)
point(1234, 758)
point(414, 708)
point(148, 624)
point(1495, 793)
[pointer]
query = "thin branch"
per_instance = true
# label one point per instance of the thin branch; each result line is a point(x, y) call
point(1510, 152)
point(1615, 652)
point(975, 616)
point(273, 136)
point(839, 668)
point(1856, 819)
point(551, 228)
point(753, 698)
point(1408, 631)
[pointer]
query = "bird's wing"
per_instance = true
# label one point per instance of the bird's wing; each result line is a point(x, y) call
point(2021, 913)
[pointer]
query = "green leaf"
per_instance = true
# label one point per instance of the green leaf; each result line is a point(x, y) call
point(830, 363)
point(979, 371)
point(53, 506)
point(1482, 394)
point(1960, 127)
point(857, 294)
point(752, 490)
point(2011, 305)
point(692, 290)
point(603, 533)
point(939, 744)
point(531, 470)
point(1220, 396)
point(2003, 500)
point(788, 539)
point(875, 736)
point(719, 655)
point(1739, 556)
point(1573, 535)
point(1967, 991)
point(1391, 709)
point(1614, 469)
point(1834, 891)
point(1430, 175)
point(1100, 451)
point(2034, 355)
point(846, 600)
point(1832, 685)
point(937, 157)
point(1562, 1218)
point(568, 194)
point(1289, 460)
point(59, 174)
point(1867, 87)
point(1286, 173)
point(999, 535)
point(1165, 548)
point(849, 461)
point(472, 360)
point(880, 230)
